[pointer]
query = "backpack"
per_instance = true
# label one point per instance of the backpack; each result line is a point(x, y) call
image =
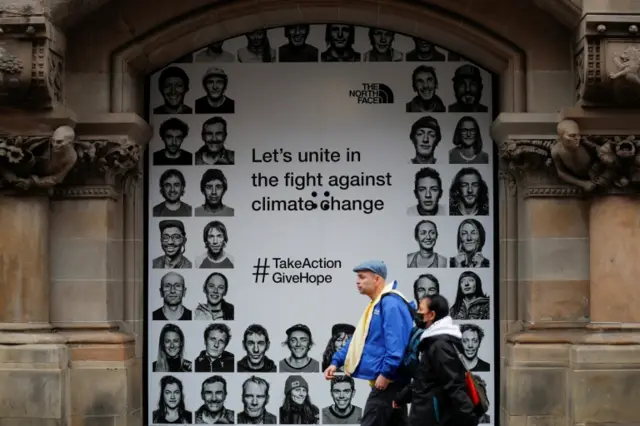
point(411, 359)
point(476, 389)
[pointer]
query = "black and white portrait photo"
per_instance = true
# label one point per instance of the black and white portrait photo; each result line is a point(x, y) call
point(426, 235)
point(170, 357)
point(299, 342)
point(256, 343)
point(425, 136)
point(213, 186)
point(424, 51)
point(255, 397)
point(426, 285)
point(215, 358)
point(427, 188)
point(467, 143)
point(485, 418)
point(172, 290)
point(471, 302)
point(297, 408)
point(382, 47)
point(342, 411)
point(258, 48)
point(172, 241)
point(172, 186)
point(297, 49)
point(340, 335)
point(214, 52)
point(216, 287)
point(173, 132)
point(215, 83)
point(468, 194)
point(340, 39)
point(215, 238)
point(470, 242)
point(173, 85)
point(467, 88)
point(212, 411)
point(214, 151)
point(472, 336)
point(424, 82)
point(171, 404)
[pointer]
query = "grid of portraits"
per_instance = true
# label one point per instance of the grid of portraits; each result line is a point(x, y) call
point(224, 348)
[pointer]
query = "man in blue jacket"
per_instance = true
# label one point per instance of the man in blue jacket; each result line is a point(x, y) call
point(377, 347)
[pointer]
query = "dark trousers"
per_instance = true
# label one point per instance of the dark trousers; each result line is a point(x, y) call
point(378, 411)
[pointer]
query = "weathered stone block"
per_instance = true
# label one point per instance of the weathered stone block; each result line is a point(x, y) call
point(536, 391)
point(28, 392)
point(606, 396)
point(99, 390)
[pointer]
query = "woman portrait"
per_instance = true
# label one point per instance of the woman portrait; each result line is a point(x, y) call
point(426, 235)
point(340, 335)
point(171, 351)
point(297, 408)
point(471, 302)
point(470, 241)
point(467, 142)
point(171, 409)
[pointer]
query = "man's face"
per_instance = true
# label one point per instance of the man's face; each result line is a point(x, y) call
point(213, 136)
point(382, 40)
point(172, 344)
point(424, 141)
point(256, 346)
point(428, 193)
point(213, 192)
point(172, 289)
point(467, 90)
point(214, 85)
point(172, 241)
point(427, 236)
point(340, 35)
point(468, 286)
point(173, 139)
point(298, 395)
point(254, 399)
point(571, 136)
point(215, 289)
point(216, 343)
point(215, 241)
point(256, 38)
point(470, 344)
point(298, 34)
point(366, 282)
point(213, 396)
point(299, 344)
point(173, 91)
point(425, 85)
point(470, 238)
point(342, 394)
point(469, 188)
point(172, 189)
point(172, 395)
point(423, 46)
point(426, 288)
point(469, 132)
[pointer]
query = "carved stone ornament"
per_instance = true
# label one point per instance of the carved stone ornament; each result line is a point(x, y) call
point(608, 62)
point(31, 63)
point(37, 163)
point(579, 164)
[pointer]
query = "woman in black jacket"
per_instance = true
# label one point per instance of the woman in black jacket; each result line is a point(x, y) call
point(438, 393)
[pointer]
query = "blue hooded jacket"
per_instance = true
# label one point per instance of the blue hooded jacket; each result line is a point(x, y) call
point(389, 332)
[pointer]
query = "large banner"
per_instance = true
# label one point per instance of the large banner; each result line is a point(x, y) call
point(280, 160)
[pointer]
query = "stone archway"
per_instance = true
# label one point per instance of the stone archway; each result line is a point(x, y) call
point(109, 55)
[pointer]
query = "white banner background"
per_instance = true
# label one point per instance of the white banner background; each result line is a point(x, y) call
point(305, 107)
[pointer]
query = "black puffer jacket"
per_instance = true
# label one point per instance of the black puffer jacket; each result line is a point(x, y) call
point(440, 374)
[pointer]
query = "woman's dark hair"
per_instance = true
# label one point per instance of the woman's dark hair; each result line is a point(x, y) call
point(158, 415)
point(457, 304)
point(303, 414)
point(438, 304)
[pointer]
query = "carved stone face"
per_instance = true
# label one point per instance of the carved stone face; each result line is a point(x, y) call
point(569, 133)
point(62, 137)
